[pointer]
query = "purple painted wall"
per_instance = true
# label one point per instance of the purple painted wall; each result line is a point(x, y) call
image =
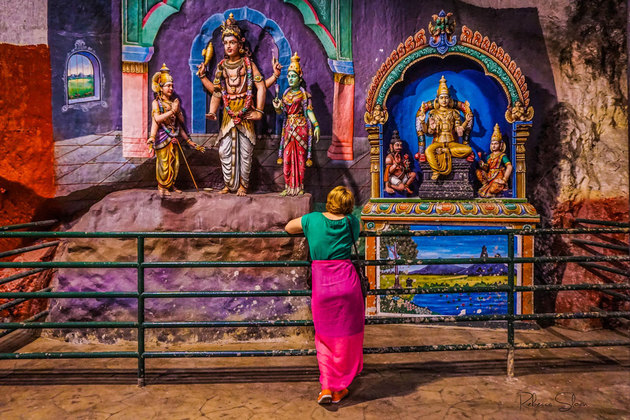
point(174, 40)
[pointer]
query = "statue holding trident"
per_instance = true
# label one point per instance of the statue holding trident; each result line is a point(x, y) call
point(235, 78)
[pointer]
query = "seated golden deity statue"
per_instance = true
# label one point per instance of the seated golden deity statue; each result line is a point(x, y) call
point(446, 126)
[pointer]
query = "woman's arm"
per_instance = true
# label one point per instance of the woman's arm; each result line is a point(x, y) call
point(294, 226)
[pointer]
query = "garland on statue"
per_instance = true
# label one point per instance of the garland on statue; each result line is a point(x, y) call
point(308, 122)
point(237, 117)
point(168, 132)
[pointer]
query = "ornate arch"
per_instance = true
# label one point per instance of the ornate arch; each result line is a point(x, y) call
point(474, 46)
point(442, 42)
point(198, 122)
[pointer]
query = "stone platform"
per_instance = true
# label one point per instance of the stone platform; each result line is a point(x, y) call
point(145, 210)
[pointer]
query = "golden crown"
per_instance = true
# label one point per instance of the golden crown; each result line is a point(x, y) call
point(230, 28)
point(295, 64)
point(442, 88)
point(161, 78)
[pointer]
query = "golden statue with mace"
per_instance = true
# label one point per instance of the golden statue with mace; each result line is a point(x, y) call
point(446, 126)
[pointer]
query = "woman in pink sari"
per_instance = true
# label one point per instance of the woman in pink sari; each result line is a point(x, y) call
point(337, 302)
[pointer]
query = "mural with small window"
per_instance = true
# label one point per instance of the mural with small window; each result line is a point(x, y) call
point(83, 78)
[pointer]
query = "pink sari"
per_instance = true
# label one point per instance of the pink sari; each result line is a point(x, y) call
point(339, 317)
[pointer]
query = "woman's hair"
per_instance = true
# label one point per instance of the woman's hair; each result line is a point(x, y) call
point(340, 200)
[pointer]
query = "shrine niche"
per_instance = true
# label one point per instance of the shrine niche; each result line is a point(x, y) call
point(460, 105)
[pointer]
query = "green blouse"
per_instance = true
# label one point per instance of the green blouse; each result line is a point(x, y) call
point(330, 239)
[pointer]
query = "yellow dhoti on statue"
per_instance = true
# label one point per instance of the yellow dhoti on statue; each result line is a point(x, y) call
point(440, 160)
point(166, 166)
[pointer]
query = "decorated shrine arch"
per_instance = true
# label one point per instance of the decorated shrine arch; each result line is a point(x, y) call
point(442, 43)
point(494, 61)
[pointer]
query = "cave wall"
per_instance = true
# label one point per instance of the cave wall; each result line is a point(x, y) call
point(26, 146)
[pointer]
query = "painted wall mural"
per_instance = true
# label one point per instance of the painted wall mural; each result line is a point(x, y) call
point(467, 276)
point(84, 78)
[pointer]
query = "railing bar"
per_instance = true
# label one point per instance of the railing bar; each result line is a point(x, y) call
point(615, 294)
point(28, 225)
point(280, 234)
point(601, 222)
point(21, 275)
point(579, 286)
point(306, 293)
point(561, 344)
point(28, 248)
point(61, 295)
point(67, 325)
point(303, 263)
point(140, 339)
point(605, 268)
point(623, 248)
point(31, 319)
point(573, 315)
point(71, 355)
point(19, 301)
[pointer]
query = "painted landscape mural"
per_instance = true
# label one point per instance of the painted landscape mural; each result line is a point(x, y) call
point(444, 275)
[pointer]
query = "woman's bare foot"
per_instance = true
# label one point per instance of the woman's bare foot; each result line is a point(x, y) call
point(177, 191)
point(283, 193)
point(242, 191)
point(225, 190)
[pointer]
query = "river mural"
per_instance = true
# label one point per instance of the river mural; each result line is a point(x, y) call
point(445, 275)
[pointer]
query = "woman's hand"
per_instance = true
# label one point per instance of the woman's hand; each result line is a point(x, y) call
point(277, 104)
point(316, 134)
point(175, 106)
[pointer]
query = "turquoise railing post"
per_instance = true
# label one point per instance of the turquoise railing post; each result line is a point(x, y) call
point(140, 310)
point(510, 307)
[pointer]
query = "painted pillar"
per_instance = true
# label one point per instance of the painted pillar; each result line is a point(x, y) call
point(135, 114)
point(343, 118)
point(374, 137)
point(331, 20)
point(141, 21)
point(520, 134)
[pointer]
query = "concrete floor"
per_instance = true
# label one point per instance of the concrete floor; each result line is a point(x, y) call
point(582, 383)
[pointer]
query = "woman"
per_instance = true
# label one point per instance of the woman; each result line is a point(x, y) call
point(298, 130)
point(337, 302)
point(167, 124)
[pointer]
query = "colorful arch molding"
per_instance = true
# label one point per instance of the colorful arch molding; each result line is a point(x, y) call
point(140, 24)
point(492, 58)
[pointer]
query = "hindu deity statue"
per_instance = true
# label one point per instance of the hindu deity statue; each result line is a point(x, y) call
point(240, 86)
point(298, 130)
point(495, 172)
point(399, 174)
point(167, 126)
point(445, 125)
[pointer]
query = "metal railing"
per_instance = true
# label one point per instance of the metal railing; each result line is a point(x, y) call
point(141, 295)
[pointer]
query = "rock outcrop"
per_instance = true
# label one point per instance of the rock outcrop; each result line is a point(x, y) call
point(144, 210)
point(582, 165)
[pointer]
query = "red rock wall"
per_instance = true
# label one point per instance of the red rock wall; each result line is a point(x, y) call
point(586, 301)
point(26, 142)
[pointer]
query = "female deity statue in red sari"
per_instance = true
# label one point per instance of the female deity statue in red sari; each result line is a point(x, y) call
point(495, 173)
point(298, 130)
